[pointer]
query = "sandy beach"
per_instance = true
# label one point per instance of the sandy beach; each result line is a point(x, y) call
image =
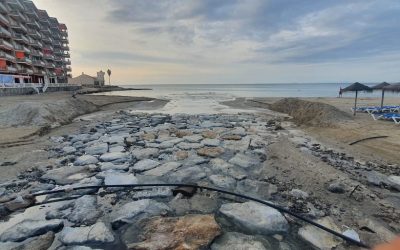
point(302, 162)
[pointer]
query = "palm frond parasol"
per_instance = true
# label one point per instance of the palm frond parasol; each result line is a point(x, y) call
point(356, 87)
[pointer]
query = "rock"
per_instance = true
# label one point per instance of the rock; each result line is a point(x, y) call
point(85, 211)
point(187, 232)
point(117, 157)
point(352, 234)
point(30, 228)
point(394, 182)
point(148, 137)
point(211, 142)
point(181, 155)
point(376, 178)
point(259, 189)
point(92, 181)
point(223, 181)
point(170, 143)
point(145, 164)
point(68, 150)
point(191, 174)
point(198, 203)
point(134, 210)
point(98, 233)
point(231, 137)
point(18, 203)
point(67, 175)
point(182, 133)
point(117, 149)
point(299, 194)
point(319, 238)
point(210, 151)
point(86, 160)
point(152, 193)
point(337, 187)
point(245, 161)
point(237, 241)
point(237, 146)
point(104, 166)
point(117, 178)
point(255, 217)
point(97, 149)
point(42, 242)
point(209, 134)
point(193, 138)
point(144, 153)
point(227, 168)
point(384, 234)
point(163, 169)
point(195, 160)
point(189, 146)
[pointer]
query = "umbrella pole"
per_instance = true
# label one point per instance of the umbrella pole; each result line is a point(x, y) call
point(383, 96)
point(355, 103)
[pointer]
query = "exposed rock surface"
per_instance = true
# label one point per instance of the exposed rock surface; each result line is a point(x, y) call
point(85, 211)
point(319, 238)
point(98, 233)
point(30, 228)
point(237, 241)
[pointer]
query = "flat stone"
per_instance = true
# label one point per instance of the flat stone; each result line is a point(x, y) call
point(210, 151)
point(85, 211)
point(114, 157)
point(188, 174)
point(41, 242)
point(189, 146)
point(18, 203)
point(319, 238)
point(181, 155)
point(30, 228)
point(209, 134)
point(97, 149)
point(211, 142)
point(259, 189)
point(104, 166)
point(86, 160)
point(227, 168)
point(152, 193)
point(394, 182)
point(231, 137)
point(223, 181)
point(237, 241)
point(134, 210)
point(67, 175)
point(193, 138)
point(187, 232)
point(198, 203)
point(163, 169)
point(145, 164)
point(195, 160)
point(245, 161)
point(98, 233)
point(145, 153)
point(299, 194)
point(255, 217)
point(69, 150)
point(237, 146)
point(170, 143)
point(376, 178)
point(117, 149)
point(117, 178)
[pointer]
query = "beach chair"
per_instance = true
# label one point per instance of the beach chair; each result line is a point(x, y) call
point(384, 109)
point(386, 116)
point(396, 118)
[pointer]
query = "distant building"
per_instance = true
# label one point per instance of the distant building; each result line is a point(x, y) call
point(87, 80)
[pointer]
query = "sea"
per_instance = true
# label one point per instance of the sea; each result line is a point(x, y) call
point(207, 98)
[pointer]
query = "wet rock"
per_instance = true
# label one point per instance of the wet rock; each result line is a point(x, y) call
point(85, 211)
point(255, 217)
point(145, 153)
point(181, 155)
point(117, 178)
point(117, 157)
point(145, 164)
point(210, 151)
point(67, 175)
point(85, 160)
point(319, 238)
point(98, 233)
point(97, 149)
point(337, 187)
point(30, 228)
point(135, 210)
point(394, 182)
point(68, 150)
point(244, 161)
point(222, 181)
point(163, 169)
point(187, 232)
point(237, 241)
point(299, 194)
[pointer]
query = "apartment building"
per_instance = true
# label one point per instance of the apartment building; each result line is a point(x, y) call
point(34, 47)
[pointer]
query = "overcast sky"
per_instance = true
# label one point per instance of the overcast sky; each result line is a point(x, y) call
point(233, 41)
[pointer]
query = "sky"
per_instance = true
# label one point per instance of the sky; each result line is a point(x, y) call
point(233, 41)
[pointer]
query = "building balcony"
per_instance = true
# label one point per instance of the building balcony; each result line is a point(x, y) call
point(57, 59)
point(3, 68)
point(68, 69)
point(50, 65)
point(4, 32)
point(6, 45)
point(67, 62)
point(4, 20)
point(48, 57)
point(11, 69)
point(66, 55)
point(15, 4)
point(20, 37)
point(3, 8)
point(35, 53)
point(18, 16)
point(18, 47)
point(39, 63)
point(6, 56)
point(25, 60)
point(27, 50)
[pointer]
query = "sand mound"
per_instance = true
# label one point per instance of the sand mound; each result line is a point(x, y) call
point(310, 113)
point(51, 113)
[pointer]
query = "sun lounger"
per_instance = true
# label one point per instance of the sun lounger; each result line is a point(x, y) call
point(386, 116)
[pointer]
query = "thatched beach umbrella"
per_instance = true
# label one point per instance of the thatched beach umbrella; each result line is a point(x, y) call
point(356, 87)
point(381, 86)
point(393, 88)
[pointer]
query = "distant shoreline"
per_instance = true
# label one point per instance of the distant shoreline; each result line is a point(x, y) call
point(89, 90)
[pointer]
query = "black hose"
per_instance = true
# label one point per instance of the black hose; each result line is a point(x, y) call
point(279, 208)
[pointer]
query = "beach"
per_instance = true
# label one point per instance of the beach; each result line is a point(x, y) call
point(299, 158)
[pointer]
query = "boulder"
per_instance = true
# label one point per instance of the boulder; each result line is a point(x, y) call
point(337, 187)
point(237, 241)
point(30, 228)
point(319, 238)
point(86, 160)
point(98, 233)
point(193, 138)
point(255, 217)
point(134, 210)
point(104, 166)
point(85, 211)
point(187, 232)
point(145, 164)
